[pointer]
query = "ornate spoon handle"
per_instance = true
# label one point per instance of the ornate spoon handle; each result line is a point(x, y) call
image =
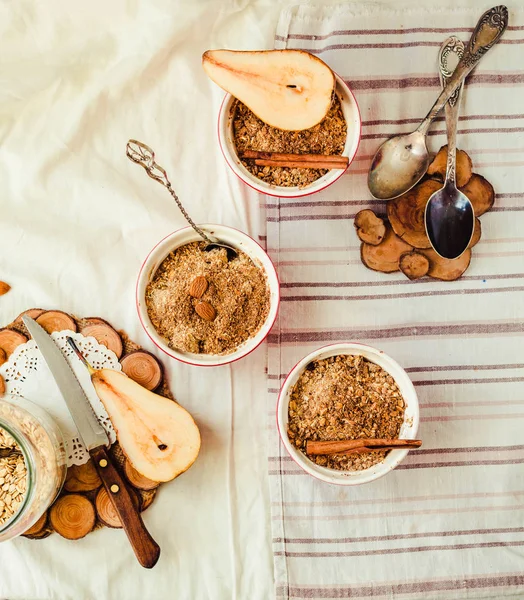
point(488, 31)
point(451, 46)
point(144, 156)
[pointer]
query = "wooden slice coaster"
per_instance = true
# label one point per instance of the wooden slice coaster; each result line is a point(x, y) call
point(106, 511)
point(406, 224)
point(106, 335)
point(146, 498)
point(82, 478)
point(56, 320)
point(72, 516)
point(83, 485)
point(137, 480)
point(143, 368)
point(34, 313)
point(477, 234)
point(39, 529)
point(10, 340)
point(97, 320)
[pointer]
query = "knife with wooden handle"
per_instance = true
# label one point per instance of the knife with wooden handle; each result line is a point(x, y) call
point(96, 441)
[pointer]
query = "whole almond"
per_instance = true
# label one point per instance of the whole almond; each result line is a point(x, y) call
point(3, 357)
point(206, 311)
point(198, 287)
point(2, 386)
point(4, 288)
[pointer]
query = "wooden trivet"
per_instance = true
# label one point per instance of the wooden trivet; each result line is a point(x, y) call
point(83, 504)
point(400, 243)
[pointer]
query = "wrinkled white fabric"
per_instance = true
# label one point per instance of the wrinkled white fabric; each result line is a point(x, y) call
point(77, 219)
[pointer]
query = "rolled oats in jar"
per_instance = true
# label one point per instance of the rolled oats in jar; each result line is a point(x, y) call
point(32, 464)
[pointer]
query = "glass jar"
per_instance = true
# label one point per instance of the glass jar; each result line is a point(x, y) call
point(42, 446)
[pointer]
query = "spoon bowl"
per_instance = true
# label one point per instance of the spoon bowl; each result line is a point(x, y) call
point(398, 165)
point(450, 221)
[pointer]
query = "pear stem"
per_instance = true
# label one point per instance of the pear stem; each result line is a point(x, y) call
point(76, 350)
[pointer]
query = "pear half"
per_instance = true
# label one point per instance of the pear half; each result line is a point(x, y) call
point(287, 89)
point(157, 435)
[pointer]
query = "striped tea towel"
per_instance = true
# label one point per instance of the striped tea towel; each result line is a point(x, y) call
point(449, 522)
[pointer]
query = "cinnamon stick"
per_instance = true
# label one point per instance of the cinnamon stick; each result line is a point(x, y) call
point(300, 161)
point(364, 444)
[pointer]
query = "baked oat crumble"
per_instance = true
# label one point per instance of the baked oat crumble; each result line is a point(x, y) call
point(344, 397)
point(235, 300)
point(250, 133)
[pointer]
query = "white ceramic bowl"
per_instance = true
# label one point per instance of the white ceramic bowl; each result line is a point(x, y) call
point(225, 138)
point(234, 238)
point(407, 431)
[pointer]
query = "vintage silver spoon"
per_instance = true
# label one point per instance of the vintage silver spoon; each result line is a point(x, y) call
point(144, 156)
point(449, 215)
point(401, 161)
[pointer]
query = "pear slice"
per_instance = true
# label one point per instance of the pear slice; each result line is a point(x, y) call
point(158, 436)
point(287, 89)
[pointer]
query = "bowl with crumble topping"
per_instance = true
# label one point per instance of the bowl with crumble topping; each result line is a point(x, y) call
point(203, 307)
point(241, 132)
point(347, 391)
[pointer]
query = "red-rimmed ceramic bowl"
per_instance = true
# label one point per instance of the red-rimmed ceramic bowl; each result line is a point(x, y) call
point(234, 238)
point(408, 430)
point(225, 137)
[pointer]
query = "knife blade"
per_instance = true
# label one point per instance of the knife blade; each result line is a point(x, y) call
point(95, 438)
point(89, 428)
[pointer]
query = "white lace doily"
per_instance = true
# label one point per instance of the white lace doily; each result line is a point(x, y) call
point(26, 374)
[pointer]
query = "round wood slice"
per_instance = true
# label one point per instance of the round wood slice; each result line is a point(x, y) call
point(106, 335)
point(10, 340)
point(143, 368)
point(34, 313)
point(82, 478)
point(406, 213)
point(3, 357)
point(370, 228)
point(45, 533)
point(97, 320)
point(56, 320)
point(413, 264)
point(72, 516)
point(386, 255)
point(463, 166)
point(477, 233)
point(106, 511)
point(146, 498)
point(36, 531)
point(137, 480)
point(480, 193)
point(445, 269)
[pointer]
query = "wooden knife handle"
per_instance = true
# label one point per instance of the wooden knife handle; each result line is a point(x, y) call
point(146, 549)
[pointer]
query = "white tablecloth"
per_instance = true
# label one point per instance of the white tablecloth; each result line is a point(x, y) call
point(446, 524)
point(76, 221)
